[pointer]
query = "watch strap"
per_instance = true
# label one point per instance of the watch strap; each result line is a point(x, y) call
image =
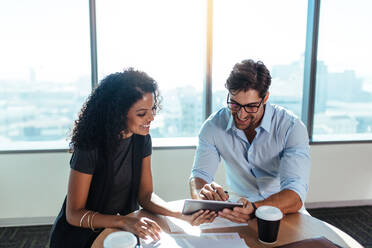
point(253, 214)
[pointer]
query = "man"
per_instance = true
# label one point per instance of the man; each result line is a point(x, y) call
point(265, 148)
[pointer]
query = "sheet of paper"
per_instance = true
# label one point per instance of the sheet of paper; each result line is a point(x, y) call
point(221, 222)
point(215, 240)
point(177, 225)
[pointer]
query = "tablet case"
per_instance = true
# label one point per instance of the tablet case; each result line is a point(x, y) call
point(192, 206)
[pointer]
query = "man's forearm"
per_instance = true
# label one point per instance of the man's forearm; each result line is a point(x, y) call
point(195, 186)
point(286, 200)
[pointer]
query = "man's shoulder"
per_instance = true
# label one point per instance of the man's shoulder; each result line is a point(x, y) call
point(219, 118)
point(216, 123)
point(283, 114)
point(285, 120)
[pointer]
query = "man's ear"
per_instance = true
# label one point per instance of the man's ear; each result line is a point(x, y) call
point(267, 97)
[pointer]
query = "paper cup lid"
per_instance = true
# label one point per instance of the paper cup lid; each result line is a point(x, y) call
point(269, 213)
point(120, 240)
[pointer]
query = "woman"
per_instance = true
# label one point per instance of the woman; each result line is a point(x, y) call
point(111, 165)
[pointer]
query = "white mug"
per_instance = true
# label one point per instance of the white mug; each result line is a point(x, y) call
point(120, 240)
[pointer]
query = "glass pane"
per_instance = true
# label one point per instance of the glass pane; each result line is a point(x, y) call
point(166, 39)
point(269, 30)
point(343, 109)
point(45, 71)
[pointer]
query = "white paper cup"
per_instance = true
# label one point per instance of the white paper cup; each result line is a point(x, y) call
point(120, 240)
point(268, 221)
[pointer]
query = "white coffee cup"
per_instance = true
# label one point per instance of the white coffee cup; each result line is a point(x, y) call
point(120, 240)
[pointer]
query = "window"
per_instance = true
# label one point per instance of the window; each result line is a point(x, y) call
point(271, 31)
point(45, 62)
point(343, 104)
point(45, 71)
point(165, 39)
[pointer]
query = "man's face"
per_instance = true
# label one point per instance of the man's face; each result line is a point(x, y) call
point(242, 119)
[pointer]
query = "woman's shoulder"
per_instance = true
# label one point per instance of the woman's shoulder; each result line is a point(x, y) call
point(143, 143)
point(91, 153)
point(84, 160)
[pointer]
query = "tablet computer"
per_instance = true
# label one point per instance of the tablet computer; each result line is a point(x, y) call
point(192, 206)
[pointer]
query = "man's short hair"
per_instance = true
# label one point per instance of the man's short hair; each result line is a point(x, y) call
point(249, 75)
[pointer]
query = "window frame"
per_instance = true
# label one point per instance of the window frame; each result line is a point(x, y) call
point(310, 70)
point(309, 83)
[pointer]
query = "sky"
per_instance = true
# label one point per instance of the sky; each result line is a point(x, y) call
point(47, 36)
point(166, 38)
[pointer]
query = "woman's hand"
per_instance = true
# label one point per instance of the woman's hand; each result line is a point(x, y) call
point(200, 217)
point(142, 227)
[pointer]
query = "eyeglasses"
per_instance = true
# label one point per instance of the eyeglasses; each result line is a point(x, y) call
point(249, 108)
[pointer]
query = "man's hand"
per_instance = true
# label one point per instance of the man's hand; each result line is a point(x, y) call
point(239, 214)
point(213, 191)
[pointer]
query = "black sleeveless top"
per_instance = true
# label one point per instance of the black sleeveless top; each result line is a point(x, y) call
point(65, 235)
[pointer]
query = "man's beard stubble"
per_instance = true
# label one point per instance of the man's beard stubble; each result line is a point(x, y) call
point(250, 125)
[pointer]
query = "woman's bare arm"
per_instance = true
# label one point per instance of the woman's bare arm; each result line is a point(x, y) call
point(77, 195)
point(150, 201)
point(76, 212)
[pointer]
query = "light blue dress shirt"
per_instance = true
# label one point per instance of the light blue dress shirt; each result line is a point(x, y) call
point(277, 159)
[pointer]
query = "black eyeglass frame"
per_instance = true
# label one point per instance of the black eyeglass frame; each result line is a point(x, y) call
point(244, 106)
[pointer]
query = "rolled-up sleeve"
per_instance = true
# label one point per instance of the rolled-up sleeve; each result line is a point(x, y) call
point(295, 161)
point(207, 156)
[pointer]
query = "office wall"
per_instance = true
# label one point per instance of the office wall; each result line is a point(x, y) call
point(34, 185)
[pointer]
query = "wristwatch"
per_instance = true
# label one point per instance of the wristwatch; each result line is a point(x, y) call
point(253, 214)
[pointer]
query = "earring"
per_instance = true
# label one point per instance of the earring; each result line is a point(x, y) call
point(124, 133)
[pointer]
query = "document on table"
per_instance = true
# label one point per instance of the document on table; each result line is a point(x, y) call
point(215, 240)
point(177, 225)
point(221, 222)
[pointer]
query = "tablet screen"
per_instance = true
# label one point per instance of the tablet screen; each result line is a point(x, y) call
point(192, 206)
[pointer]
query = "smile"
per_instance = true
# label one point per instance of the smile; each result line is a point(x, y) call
point(242, 120)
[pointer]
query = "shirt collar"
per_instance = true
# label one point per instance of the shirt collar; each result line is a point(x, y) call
point(265, 122)
point(230, 124)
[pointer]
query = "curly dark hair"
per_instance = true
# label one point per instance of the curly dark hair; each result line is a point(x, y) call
point(103, 117)
point(249, 75)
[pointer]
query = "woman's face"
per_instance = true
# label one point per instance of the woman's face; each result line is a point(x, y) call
point(140, 115)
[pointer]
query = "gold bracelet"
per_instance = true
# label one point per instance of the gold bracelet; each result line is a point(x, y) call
point(81, 220)
point(88, 223)
point(91, 222)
